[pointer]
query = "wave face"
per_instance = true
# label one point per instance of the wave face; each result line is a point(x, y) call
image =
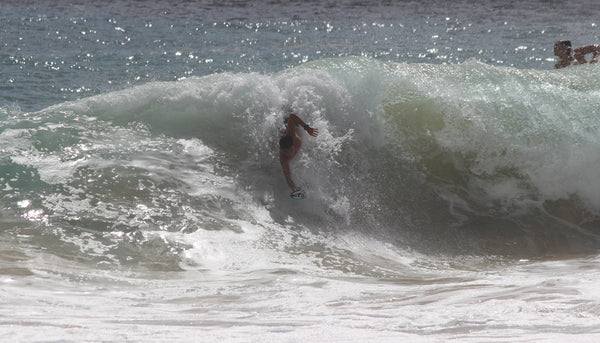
point(444, 159)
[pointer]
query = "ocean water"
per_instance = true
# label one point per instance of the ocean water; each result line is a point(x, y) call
point(452, 193)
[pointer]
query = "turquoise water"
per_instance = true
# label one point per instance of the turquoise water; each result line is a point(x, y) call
point(451, 193)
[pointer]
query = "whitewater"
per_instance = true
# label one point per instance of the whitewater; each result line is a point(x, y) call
point(452, 191)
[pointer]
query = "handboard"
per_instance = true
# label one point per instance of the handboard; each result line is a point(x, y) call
point(298, 194)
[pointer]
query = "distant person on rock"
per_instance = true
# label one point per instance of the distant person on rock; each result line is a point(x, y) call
point(569, 56)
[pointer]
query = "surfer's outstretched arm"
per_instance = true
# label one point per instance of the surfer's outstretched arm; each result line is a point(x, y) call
point(294, 120)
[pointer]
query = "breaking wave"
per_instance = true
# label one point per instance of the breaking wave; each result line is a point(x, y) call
point(443, 159)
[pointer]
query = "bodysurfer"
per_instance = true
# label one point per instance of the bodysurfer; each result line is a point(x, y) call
point(563, 50)
point(289, 145)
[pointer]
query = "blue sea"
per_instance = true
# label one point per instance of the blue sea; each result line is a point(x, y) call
point(452, 193)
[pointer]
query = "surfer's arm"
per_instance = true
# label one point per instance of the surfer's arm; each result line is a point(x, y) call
point(294, 120)
point(285, 165)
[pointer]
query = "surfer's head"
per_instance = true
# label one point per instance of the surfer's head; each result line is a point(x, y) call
point(286, 142)
point(562, 48)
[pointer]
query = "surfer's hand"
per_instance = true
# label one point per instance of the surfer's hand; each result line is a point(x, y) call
point(312, 131)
